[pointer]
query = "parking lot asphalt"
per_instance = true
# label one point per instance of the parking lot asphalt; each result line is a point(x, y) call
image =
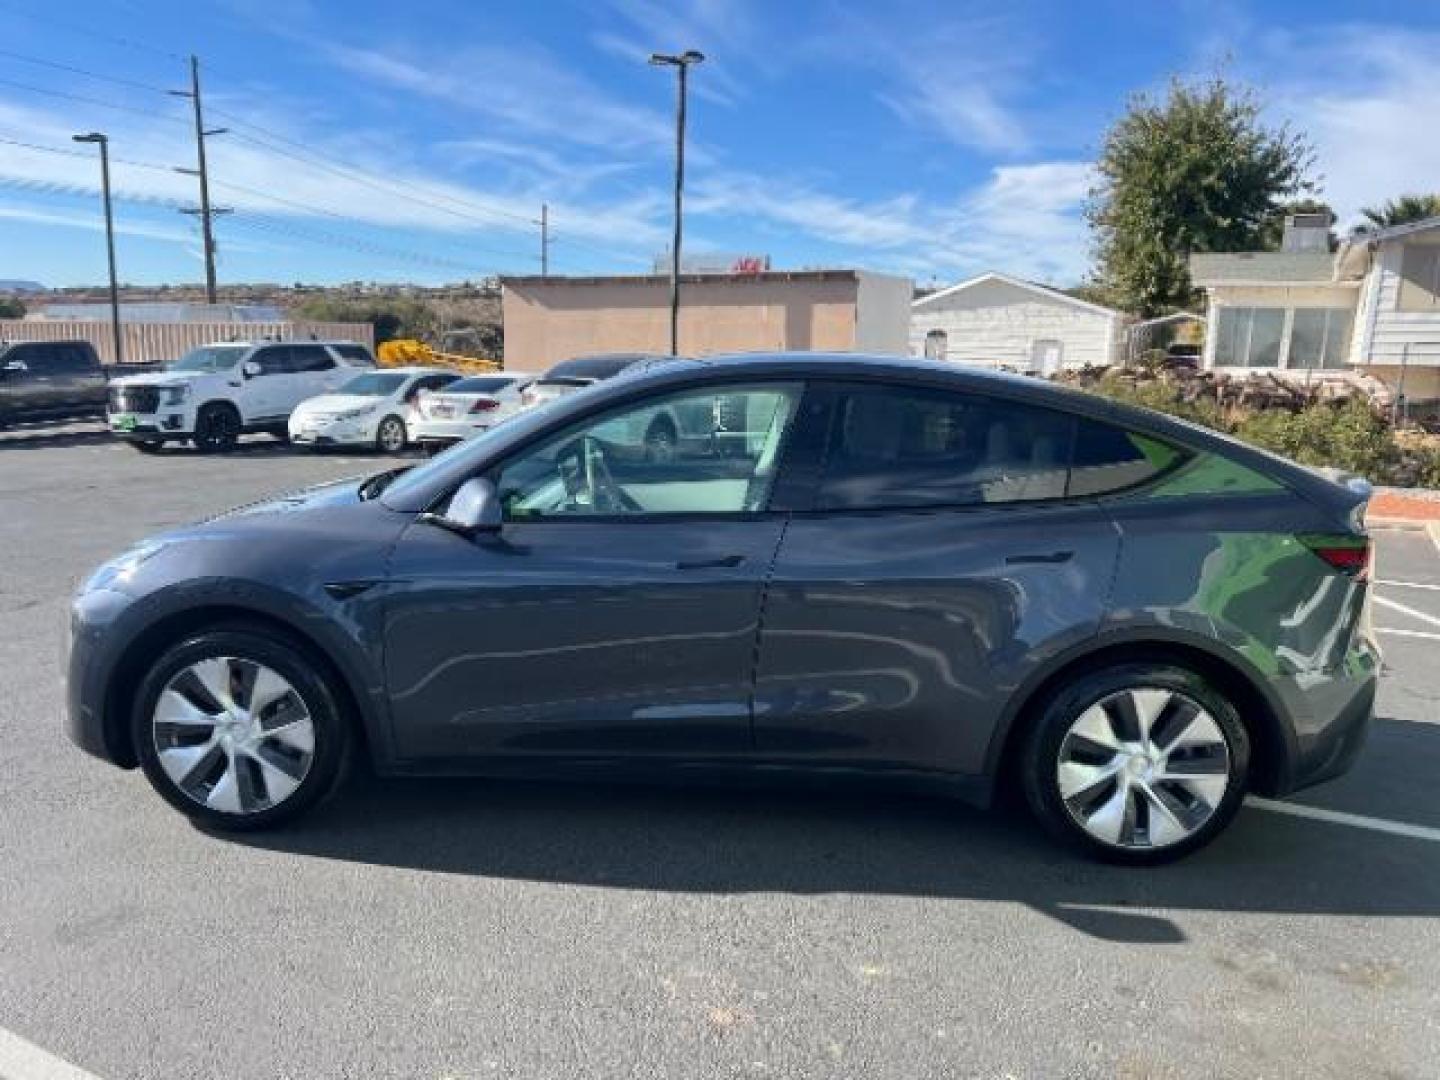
point(472, 929)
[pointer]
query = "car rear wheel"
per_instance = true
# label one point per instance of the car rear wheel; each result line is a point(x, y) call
point(390, 437)
point(1137, 763)
point(238, 730)
point(217, 429)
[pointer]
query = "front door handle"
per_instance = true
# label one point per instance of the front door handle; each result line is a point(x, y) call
point(708, 564)
point(1048, 557)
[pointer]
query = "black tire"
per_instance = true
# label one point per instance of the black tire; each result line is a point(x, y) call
point(148, 446)
point(290, 659)
point(217, 428)
point(1042, 754)
point(391, 436)
point(660, 442)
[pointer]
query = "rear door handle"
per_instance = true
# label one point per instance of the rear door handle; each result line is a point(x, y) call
point(707, 564)
point(1048, 557)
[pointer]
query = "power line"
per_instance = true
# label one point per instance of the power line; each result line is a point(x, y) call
point(149, 114)
point(54, 65)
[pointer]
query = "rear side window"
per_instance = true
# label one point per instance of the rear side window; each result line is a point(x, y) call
point(1107, 458)
point(273, 359)
point(307, 358)
point(355, 354)
point(902, 448)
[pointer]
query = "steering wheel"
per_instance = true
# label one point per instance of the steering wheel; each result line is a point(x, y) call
point(606, 495)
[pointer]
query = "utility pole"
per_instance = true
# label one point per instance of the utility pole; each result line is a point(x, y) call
point(103, 141)
point(544, 240)
point(682, 64)
point(206, 212)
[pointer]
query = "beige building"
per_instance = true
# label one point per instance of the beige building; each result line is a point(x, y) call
point(1370, 308)
point(549, 319)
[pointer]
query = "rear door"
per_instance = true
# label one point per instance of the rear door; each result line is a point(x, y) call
point(614, 614)
point(939, 562)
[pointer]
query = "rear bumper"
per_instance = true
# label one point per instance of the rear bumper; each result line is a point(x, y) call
point(444, 431)
point(1338, 716)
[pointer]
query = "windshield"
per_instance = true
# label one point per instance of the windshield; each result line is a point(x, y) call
point(209, 358)
point(374, 384)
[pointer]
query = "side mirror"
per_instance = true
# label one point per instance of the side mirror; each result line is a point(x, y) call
point(474, 508)
point(250, 369)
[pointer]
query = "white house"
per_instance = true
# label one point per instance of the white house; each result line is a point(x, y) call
point(1372, 306)
point(995, 320)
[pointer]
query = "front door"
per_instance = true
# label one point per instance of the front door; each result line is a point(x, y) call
point(614, 613)
point(263, 396)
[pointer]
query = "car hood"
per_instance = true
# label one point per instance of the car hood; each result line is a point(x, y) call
point(163, 378)
point(334, 403)
point(334, 493)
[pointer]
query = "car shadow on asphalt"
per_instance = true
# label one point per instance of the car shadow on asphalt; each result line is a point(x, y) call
point(719, 841)
point(43, 439)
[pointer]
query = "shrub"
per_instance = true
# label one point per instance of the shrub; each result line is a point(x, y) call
point(1347, 435)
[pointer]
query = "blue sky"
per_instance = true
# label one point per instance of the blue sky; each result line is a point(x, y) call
point(416, 141)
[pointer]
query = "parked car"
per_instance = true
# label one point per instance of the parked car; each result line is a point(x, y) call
point(369, 410)
point(570, 375)
point(50, 380)
point(214, 394)
point(467, 407)
point(968, 582)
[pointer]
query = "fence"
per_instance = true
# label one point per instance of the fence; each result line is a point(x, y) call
point(160, 342)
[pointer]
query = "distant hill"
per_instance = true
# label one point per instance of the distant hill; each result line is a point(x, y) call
point(16, 285)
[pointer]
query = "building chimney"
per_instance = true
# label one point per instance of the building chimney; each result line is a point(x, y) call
point(1306, 232)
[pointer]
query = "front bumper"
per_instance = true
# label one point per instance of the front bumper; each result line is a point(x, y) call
point(89, 667)
point(332, 432)
point(166, 424)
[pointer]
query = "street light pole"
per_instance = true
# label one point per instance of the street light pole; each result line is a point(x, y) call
point(682, 64)
point(103, 141)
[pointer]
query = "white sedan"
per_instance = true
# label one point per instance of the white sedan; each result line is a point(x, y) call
point(468, 407)
point(372, 409)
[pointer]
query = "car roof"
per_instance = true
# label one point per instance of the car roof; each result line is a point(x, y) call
point(600, 365)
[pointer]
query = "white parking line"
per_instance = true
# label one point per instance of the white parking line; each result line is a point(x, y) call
point(1338, 817)
point(22, 1060)
point(1407, 584)
point(1405, 610)
point(1425, 634)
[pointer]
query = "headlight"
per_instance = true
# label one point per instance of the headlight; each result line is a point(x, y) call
point(354, 414)
point(171, 396)
point(121, 569)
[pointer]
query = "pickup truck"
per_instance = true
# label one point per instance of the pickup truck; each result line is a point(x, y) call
point(50, 380)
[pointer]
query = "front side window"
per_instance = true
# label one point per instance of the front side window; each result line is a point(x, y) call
point(710, 451)
point(209, 358)
point(898, 448)
point(273, 360)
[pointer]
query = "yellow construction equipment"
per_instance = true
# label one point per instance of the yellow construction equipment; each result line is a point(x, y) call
point(407, 352)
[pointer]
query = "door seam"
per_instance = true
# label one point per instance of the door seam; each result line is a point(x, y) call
point(760, 621)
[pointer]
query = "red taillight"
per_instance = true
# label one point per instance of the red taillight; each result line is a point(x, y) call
point(1348, 555)
point(484, 405)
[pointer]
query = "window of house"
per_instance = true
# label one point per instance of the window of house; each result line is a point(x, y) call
point(1319, 337)
point(1248, 336)
point(1420, 278)
point(900, 448)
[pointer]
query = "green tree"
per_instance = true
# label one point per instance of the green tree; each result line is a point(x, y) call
point(1198, 171)
point(1401, 211)
point(11, 307)
point(403, 317)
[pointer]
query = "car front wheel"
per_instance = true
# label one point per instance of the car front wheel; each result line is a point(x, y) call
point(390, 437)
point(1137, 763)
point(238, 730)
point(217, 429)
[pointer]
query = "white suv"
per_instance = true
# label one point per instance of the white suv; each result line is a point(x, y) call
point(214, 394)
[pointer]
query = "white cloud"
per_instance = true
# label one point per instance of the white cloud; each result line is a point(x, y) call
point(92, 223)
point(1366, 96)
